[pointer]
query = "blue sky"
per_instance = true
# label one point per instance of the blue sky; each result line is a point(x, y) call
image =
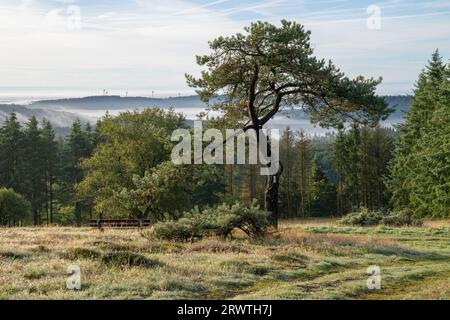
point(72, 47)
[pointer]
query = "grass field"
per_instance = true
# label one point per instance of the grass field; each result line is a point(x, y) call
point(313, 259)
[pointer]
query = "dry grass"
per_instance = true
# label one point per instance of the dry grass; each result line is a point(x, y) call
point(311, 259)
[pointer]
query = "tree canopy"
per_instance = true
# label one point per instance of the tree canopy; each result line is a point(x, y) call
point(271, 67)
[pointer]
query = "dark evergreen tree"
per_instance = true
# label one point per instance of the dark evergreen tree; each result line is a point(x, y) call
point(11, 144)
point(414, 179)
point(33, 168)
point(322, 193)
point(50, 156)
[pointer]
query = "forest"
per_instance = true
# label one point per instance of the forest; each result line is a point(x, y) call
point(121, 167)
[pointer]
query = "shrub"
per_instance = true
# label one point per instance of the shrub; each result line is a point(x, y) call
point(13, 255)
point(363, 218)
point(183, 229)
point(81, 253)
point(34, 274)
point(373, 218)
point(401, 218)
point(219, 221)
point(120, 259)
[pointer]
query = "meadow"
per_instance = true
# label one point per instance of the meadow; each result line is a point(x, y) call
point(305, 259)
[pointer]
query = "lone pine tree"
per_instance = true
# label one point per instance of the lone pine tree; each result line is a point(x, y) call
point(269, 68)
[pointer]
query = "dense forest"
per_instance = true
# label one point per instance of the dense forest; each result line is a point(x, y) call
point(121, 167)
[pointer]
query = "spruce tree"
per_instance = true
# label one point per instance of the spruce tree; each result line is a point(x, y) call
point(11, 143)
point(33, 168)
point(50, 154)
point(409, 166)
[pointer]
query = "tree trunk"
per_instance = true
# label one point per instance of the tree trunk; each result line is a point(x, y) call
point(272, 185)
point(36, 216)
point(51, 199)
point(230, 180)
point(271, 198)
point(78, 213)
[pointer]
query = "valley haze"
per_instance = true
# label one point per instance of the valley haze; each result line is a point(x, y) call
point(62, 112)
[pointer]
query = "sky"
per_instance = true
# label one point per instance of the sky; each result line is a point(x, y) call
point(80, 47)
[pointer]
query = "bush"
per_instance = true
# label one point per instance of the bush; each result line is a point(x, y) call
point(401, 218)
point(363, 218)
point(372, 218)
point(65, 215)
point(81, 253)
point(219, 221)
point(183, 229)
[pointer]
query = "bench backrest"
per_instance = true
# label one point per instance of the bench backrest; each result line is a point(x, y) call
point(119, 223)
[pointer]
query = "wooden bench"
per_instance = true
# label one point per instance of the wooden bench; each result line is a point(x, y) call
point(120, 223)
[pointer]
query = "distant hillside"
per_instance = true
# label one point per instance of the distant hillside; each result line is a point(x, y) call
point(57, 118)
point(63, 112)
point(402, 104)
point(61, 120)
point(119, 103)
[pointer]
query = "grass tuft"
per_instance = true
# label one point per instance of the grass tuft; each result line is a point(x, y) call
point(81, 253)
point(123, 259)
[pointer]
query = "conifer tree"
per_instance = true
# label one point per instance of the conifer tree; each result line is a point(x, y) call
point(33, 168)
point(413, 148)
point(11, 143)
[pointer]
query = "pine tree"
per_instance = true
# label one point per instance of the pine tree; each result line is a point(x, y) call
point(33, 168)
point(287, 180)
point(80, 146)
point(11, 143)
point(340, 158)
point(382, 146)
point(50, 154)
point(353, 166)
point(303, 170)
point(322, 192)
point(361, 158)
point(429, 178)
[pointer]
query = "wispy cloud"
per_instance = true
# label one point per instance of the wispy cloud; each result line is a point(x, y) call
point(146, 45)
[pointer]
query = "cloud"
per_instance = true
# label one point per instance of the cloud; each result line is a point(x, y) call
point(146, 45)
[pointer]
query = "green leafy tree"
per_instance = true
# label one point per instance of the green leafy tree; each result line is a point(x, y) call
point(164, 189)
point(269, 68)
point(130, 145)
point(14, 208)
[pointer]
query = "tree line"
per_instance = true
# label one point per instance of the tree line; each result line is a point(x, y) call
point(122, 167)
point(44, 170)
